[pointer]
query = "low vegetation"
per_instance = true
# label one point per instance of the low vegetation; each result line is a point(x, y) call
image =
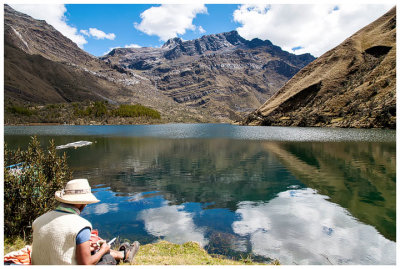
point(31, 177)
point(189, 253)
point(136, 111)
point(80, 113)
point(19, 110)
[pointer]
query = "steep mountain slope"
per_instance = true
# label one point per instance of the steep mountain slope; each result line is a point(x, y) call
point(37, 37)
point(223, 73)
point(35, 79)
point(352, 85)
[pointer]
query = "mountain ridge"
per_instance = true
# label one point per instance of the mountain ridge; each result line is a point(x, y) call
point(222, 73)
point(351, 85)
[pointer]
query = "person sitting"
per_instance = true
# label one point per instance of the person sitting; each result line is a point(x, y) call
point(62, 236)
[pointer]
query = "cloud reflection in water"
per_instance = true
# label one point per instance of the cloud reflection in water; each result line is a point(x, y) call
point(172, 223)
point(102, 208)
point(302, 227)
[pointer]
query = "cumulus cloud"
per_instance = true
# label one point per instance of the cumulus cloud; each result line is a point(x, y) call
point(98, 34)
point(303, 227)
point(172, 223)
point(305, 28)
point(168, 21)
point(55, 16)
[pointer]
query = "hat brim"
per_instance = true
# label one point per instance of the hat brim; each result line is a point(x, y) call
point(85, 199)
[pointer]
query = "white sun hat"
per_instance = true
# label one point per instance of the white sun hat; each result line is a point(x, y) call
point(77, 191)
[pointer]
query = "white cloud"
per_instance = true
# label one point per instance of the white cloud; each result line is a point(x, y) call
point(313, 28)
point(168, 21)
point(98, 34)
point(85, 32)
point(173, 223)
point(303, 227)
point(132, 46)
point(53, 15)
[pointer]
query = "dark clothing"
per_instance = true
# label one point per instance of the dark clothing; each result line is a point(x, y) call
point(107, 259)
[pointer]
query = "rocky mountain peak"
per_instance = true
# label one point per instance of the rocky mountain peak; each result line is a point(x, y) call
point(172, 43)
point(234, 38)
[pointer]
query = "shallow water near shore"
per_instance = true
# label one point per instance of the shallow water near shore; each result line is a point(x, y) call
point(299, 195)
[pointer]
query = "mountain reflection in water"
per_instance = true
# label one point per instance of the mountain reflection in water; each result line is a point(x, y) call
point(299, 202)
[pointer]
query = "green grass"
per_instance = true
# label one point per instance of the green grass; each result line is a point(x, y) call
point(190, 253)
point(163, 253)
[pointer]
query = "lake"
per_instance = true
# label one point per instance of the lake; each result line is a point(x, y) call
point(299, 195)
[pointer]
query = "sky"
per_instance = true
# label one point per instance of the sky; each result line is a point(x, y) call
point(302, 28)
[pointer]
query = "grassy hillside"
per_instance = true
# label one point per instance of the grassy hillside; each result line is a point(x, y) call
point(352, 85)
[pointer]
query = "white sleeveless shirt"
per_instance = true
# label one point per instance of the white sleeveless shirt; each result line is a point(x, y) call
point(54, 238)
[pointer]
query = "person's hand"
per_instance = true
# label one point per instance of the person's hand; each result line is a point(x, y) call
point(94, 247)
point(105, 247)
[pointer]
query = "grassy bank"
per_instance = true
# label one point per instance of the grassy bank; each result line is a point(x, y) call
point(163, 253)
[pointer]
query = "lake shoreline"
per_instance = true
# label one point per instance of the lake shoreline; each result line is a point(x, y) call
point(94, 123)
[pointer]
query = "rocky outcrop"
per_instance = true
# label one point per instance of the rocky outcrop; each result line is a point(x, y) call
point(352, 85)
point(223, 74)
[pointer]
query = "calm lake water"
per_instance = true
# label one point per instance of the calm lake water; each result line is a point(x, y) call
point(299, 195)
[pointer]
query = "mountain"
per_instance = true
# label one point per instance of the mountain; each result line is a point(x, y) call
point(216, 78)
point(352, 85)
point(41, 66)
point(37, 37)
point(223, 74)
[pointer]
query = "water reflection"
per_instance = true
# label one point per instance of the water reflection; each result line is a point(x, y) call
point(360, 177)
point(300, 202)
point(302, 227)
point(173, 224)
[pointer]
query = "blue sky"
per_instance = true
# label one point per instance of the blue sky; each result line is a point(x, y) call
point(120, 20)
point(303, 28)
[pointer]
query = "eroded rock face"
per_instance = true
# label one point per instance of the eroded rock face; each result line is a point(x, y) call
point(224, 74)
point(352, 85)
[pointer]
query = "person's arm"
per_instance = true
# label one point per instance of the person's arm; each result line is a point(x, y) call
point(84, 257)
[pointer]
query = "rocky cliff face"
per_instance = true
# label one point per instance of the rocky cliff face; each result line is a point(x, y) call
point(223, 74)
point(352, 85)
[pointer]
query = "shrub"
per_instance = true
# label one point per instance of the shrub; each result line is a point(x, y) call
point(136, 111)
point(20, 110)
point(29, 191)
point(98, 109)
